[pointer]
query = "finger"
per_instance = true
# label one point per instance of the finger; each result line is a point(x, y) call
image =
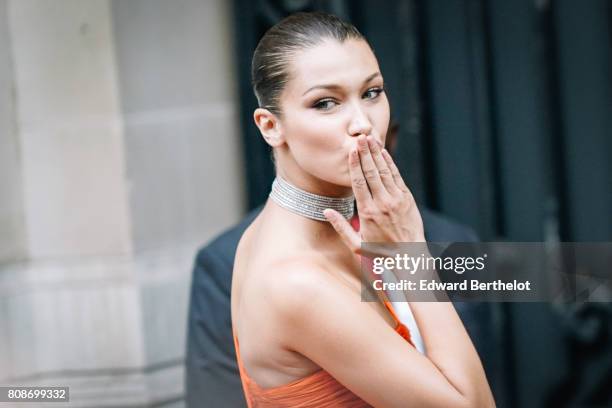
point(370, 172)
point(360, 186)
point(348, 235)
point(397, 177)
point(383, 168)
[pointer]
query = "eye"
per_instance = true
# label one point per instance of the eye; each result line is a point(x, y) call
point(373, 92)
point(324, 104)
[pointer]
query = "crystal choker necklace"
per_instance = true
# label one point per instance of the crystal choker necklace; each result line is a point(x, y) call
point(308, 204)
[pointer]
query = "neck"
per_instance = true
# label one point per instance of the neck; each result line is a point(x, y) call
point(303, 233)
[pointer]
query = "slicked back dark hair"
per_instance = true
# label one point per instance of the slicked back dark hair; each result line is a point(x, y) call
point(270, 64)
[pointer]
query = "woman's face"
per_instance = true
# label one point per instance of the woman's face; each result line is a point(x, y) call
point(334, 94)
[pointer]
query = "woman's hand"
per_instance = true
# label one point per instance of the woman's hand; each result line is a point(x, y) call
point(387, 210)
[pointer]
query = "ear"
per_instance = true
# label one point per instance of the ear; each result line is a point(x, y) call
point(269, 126)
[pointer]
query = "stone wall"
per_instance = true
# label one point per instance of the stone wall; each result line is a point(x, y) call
point(119, 156)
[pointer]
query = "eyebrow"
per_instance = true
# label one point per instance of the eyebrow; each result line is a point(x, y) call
point(334, 86)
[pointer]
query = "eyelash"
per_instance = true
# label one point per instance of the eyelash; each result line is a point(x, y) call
point(318, 104)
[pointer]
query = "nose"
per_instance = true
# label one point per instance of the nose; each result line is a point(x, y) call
point(360, 123)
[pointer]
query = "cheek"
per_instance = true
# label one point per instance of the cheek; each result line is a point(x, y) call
point(320, 147)
point(316, 136)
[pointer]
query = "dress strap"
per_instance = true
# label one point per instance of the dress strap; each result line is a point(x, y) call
point(399, 327)
point(391, 310)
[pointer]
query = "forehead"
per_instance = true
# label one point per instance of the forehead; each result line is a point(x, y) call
point(332, 62)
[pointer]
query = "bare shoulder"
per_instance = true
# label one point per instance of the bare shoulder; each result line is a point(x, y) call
point(294, 282)
point(303, 293)
point(286, 292)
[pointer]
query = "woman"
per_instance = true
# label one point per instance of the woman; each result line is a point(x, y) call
point(303, 336)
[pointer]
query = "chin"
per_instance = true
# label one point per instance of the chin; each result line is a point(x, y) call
point(345, 180)
point(340, 182)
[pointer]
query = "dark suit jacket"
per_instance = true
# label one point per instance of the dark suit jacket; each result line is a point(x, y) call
point(212, 378)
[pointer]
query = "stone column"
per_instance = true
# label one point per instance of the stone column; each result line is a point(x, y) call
point(118, 158)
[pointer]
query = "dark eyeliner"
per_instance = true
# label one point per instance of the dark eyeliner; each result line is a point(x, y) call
point(318, 104)
point(377, 89)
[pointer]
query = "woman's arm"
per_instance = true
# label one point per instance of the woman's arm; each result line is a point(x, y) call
point(327, 323)
point(450, 349)
point(451, 374)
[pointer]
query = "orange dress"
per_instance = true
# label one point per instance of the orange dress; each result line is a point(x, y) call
point(318, 389)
